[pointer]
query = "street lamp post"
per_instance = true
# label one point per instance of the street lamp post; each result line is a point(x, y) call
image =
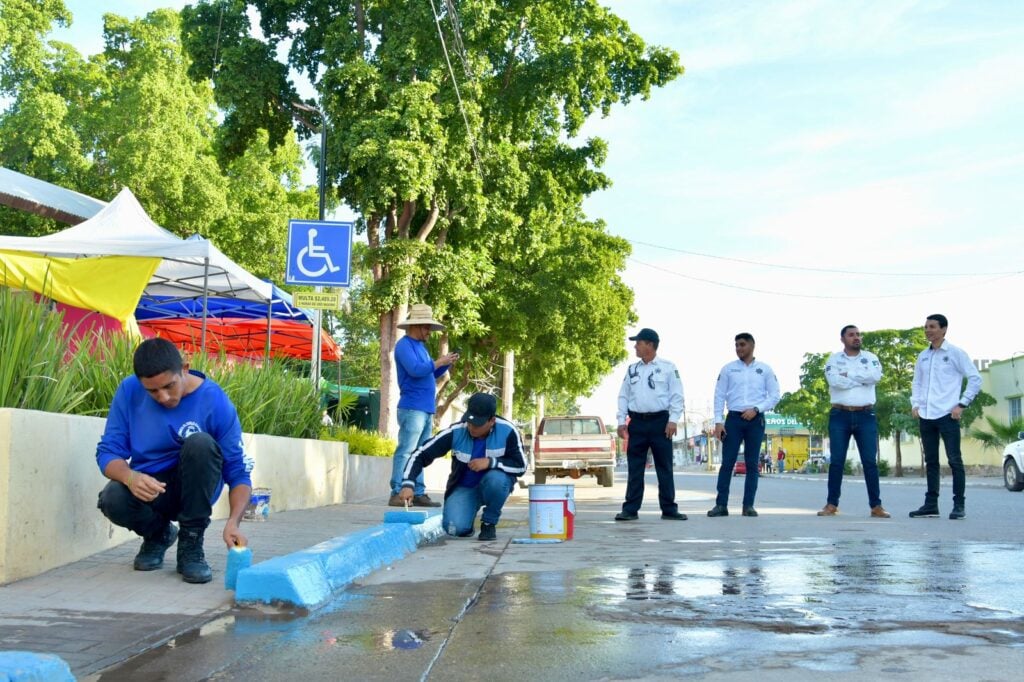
point(317, 351)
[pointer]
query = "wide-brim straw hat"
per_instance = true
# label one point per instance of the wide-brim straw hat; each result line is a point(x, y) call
point(420, 313)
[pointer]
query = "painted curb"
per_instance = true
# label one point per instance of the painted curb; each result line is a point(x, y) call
point(310, 577)
point(26, 666)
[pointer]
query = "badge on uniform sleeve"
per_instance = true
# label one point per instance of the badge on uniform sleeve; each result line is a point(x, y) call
point(676, 372)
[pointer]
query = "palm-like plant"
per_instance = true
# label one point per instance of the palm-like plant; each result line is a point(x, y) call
point(999, 435)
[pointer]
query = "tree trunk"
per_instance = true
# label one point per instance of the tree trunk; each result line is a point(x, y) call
point(388, 423)
point(899, 456)
point(508, 384)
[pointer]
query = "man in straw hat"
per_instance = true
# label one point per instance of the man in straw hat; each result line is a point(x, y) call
point(417, 387)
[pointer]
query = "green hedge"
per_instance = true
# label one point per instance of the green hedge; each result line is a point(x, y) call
point(39, 372)
point(361, 442)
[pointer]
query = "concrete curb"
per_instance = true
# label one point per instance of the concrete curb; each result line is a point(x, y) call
point(26, 666)
point(310, 577)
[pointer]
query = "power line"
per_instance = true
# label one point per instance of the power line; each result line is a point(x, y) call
point(867, 273)
point(820, 296)
point(458, 96)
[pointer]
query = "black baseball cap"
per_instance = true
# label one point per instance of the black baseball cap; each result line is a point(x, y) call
point(645, 334)
point(481, 408)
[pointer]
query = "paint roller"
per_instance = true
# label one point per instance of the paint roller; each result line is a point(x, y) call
point(412, 517)
point(239, 557)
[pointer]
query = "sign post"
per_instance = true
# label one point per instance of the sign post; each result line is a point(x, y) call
point(319, 253)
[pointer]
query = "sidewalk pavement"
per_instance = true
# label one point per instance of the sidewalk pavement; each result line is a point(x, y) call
point(98, 611)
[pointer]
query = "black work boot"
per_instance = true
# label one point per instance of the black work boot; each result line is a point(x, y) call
point(191, 560)
point(925, 511)
point(958, 511)
point(151, 554)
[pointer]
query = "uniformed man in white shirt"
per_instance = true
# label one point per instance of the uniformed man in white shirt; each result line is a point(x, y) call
point(938, 403)
point(851, 375)
point(749, 388)
point(651, 398)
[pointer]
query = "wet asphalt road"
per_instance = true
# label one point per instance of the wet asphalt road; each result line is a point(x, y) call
point(785, 596)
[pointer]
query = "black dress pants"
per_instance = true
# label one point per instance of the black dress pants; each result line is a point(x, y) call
point(644, 435)
point(190, 487)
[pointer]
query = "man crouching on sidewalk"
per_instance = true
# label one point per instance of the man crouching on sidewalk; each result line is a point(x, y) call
point(487, 457)
point(171, 442)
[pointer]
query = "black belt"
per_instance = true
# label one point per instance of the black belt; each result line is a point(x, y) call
point(852, 408)
point(647, 415)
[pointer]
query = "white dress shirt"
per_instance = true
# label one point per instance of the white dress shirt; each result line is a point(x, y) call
point(857, 388)
point(938, 376)
point(652, 386)
point(742, 386)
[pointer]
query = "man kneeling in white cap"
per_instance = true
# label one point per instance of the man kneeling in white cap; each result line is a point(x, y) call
point(487, 457)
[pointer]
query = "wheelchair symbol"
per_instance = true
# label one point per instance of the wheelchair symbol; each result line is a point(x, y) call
point(314, 251)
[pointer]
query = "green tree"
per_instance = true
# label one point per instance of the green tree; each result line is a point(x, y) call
point(446, 172)
point(132, 117)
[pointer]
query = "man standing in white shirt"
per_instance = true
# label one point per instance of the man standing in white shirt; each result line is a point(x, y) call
point(851, 375)
point(749, 388)
point(938, 403)
point(652, 397)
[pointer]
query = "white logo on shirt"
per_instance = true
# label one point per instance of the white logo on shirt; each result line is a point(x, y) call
point(187, 429)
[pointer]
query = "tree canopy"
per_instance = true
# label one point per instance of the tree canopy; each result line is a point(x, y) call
point(460, 157)
point(131, 117)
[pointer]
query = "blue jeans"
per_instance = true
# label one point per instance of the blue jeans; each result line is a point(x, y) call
point(863, 426)
point(414, 429)
point(461, 506)
point(750, 433)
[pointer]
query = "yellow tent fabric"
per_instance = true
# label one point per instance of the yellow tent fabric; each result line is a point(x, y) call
point(111, 285)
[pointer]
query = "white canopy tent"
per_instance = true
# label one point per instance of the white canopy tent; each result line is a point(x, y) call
point(190, 268)
point(46, 199)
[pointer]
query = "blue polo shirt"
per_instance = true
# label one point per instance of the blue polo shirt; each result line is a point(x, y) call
point(417, 377)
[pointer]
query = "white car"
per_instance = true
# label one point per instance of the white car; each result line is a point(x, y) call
point(1013, 464)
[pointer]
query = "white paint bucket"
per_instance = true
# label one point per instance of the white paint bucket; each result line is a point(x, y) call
point(552, 510)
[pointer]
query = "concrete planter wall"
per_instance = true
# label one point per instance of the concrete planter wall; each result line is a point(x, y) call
point(49, 484)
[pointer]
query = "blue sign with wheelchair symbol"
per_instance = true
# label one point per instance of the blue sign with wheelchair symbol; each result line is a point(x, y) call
point(319, 253)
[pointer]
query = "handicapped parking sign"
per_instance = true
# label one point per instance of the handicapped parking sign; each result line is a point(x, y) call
point(319, 253)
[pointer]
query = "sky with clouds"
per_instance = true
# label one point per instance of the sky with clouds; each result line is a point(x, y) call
point(873, 149)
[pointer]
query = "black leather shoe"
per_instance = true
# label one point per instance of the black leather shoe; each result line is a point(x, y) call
point(625, 516)
point(749, 511)
point(487, 532)
point(719, 510)
point(957, 513)
point(151, 554)
point(925, 512)
point(673, 516)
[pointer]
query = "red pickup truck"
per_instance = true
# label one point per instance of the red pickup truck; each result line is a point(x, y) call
point(573, 446)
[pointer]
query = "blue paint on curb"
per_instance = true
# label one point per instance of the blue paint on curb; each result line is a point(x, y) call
point(26, 666)
point(310, 577)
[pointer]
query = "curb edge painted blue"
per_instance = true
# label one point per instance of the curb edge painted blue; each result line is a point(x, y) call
point(27, 666)
point(309, 577)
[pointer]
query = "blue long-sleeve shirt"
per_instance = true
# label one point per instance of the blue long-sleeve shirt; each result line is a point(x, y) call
point(149, 436)
point(417, 377)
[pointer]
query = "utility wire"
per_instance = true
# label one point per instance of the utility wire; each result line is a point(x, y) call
point(458, 96)
point(819, 296)
point(802, 268)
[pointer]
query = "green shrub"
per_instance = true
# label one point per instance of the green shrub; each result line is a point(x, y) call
point(847, 468)
point(883, 467)
point(270, 399)
point(36, 372)
point(361, 442)
point(102, 362)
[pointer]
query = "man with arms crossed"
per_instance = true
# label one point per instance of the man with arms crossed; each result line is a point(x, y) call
point(851, 375)
point(938, 403)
